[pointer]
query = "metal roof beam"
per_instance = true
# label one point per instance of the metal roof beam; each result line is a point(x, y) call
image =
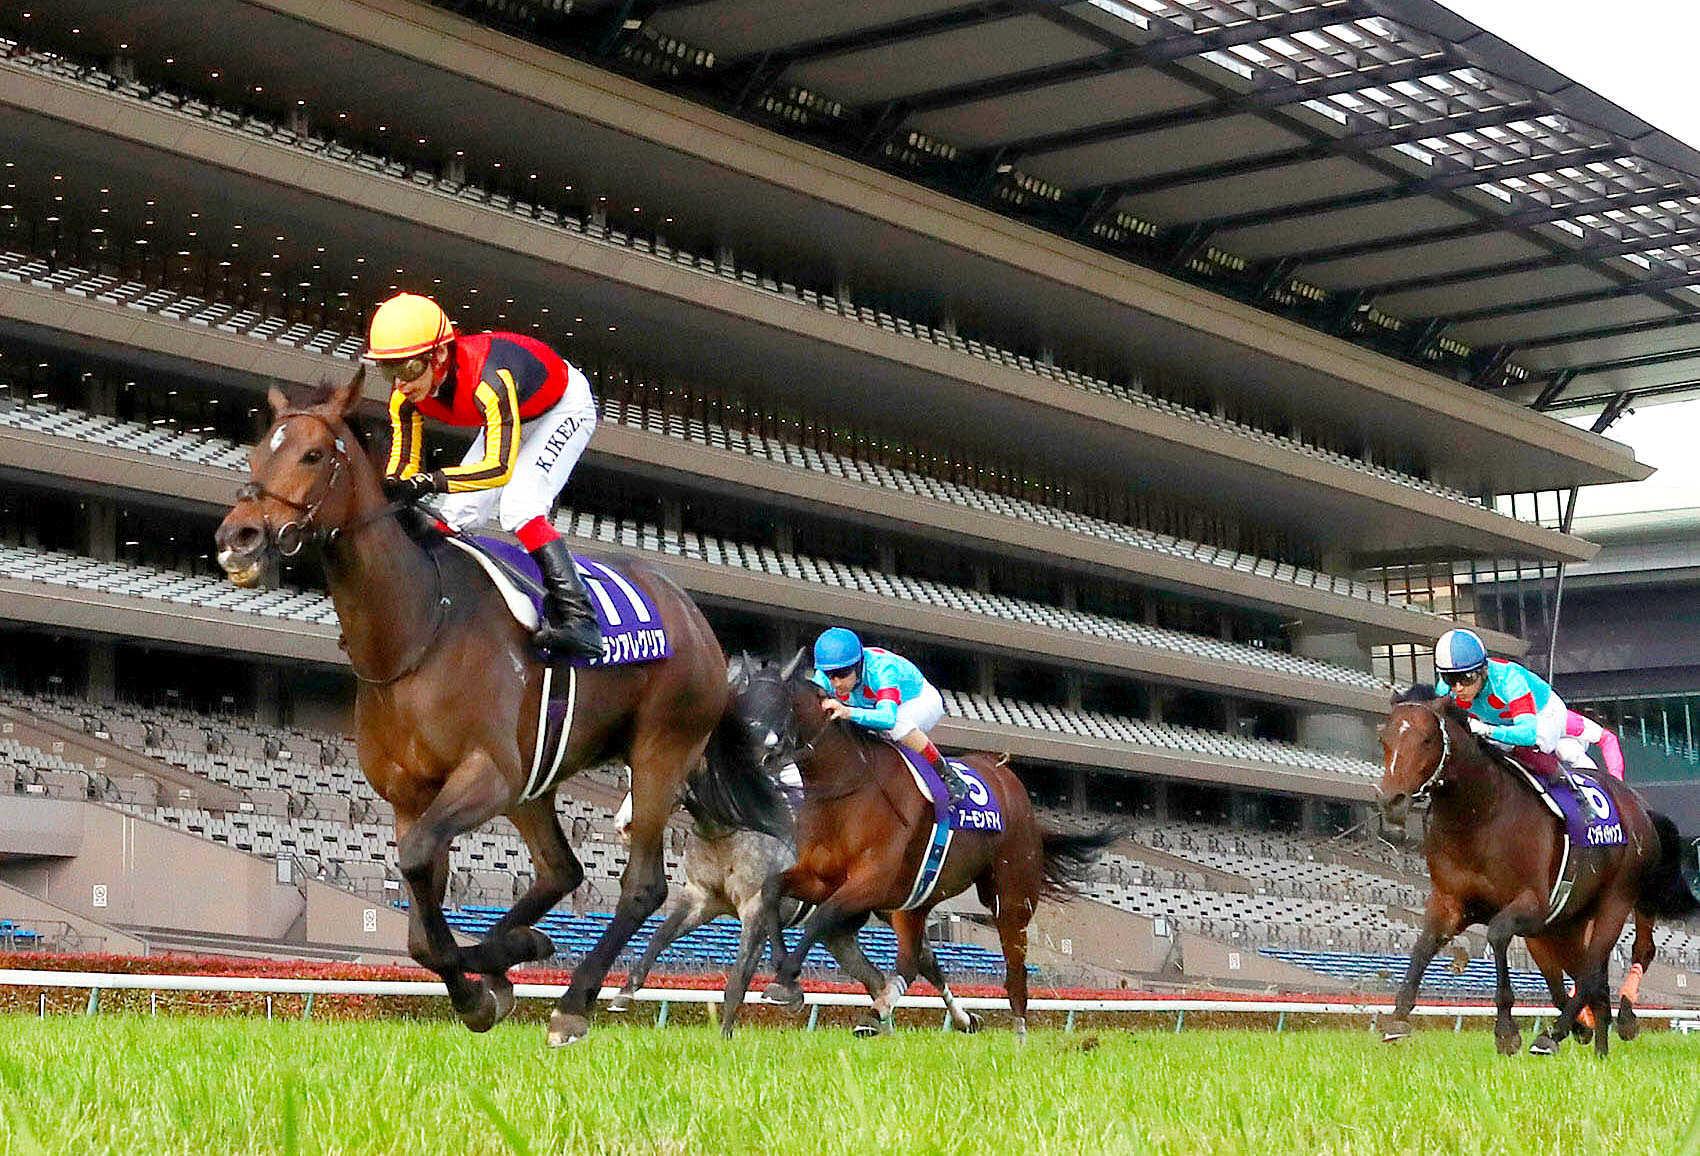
point(1641, 288)
point(1597, 251)
point(1160, 51)
point(877, 36)
point(1360, 142)
point(1637, 361)
point(1526, 218)
point(1603, 332)
point(1444, 182)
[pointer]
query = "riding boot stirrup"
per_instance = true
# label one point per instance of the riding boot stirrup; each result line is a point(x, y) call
point(952, 781)
point(571, 625)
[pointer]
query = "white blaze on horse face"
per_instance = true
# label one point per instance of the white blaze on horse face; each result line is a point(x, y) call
point(278, 435)
point(771, 741)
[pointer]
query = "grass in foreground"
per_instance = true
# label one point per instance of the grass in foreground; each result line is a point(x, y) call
point(143, 1085)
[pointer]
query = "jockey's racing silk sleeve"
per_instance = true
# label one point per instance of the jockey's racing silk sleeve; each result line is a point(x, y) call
point(498, 403)
point(407, 433)
point(888, 681)
point(1508, 702)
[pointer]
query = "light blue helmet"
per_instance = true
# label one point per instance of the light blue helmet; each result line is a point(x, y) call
point(1459, 651)
point(837, 649)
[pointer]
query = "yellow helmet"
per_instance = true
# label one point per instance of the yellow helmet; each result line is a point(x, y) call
point(407, 325)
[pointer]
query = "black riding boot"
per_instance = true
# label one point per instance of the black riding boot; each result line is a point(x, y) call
point(571, 625)
point(952, 781)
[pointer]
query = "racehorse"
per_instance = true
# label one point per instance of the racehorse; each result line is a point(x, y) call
point(1494, 856)
point(738, 873)
point(448, 706)
point(863, 831)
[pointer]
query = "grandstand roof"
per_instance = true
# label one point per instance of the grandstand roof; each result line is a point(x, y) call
point(1382, 169)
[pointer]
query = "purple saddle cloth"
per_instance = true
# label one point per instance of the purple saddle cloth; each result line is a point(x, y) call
point(978, 811)
point(631, 625)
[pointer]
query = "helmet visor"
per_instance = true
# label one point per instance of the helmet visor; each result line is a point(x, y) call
point(407, 369)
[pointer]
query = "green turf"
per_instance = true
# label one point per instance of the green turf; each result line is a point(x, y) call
point(133, 1084)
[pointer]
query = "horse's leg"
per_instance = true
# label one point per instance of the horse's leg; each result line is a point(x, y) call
point(908, 926)
point(1441, 921)
point(847, 950)
point(758, 913)
point(1549, 955)
point(1640, 959)
point(658, 769)
point(474, 793)
point(853, 900)
point(1013, 914)
point(965, 1021)
point(692, 911)
point(1519, 918)
point(514, 939)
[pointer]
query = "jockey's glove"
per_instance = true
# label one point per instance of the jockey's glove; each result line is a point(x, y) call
point(411, 489)
point(1478, 727)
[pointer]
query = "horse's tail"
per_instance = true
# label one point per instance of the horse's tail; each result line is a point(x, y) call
point(731, 790)
point(1067, 858)
point(1664, 892)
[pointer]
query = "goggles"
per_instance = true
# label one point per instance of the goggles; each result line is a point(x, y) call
point(405, 370)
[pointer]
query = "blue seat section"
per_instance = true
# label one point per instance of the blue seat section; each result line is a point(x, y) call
point(15, 935)
point(715, 944)
point(1385, 972)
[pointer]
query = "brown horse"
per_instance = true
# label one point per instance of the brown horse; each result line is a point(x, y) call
point(447, 709)
point(864, 828)
point(1494, 854)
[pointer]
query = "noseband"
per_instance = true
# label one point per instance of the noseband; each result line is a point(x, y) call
point(1436, 777)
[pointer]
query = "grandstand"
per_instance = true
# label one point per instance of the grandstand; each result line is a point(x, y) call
point(1167, 448)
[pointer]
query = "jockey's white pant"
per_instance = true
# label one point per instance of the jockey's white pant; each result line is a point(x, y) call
point(1551, 724)
point(550, 445)
point(921, 713)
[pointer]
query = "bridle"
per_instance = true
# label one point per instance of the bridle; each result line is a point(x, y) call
point(290, 537)
point(304, 528)
point(1436, 777)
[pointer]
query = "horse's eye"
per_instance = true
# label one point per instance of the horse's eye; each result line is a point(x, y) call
point(312, 457)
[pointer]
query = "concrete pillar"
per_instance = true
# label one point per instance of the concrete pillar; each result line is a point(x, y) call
point(1160, 800)
point(1155, 703)
point(983, 576)
point(1311, 812)
point(673, 518)
point(1069, 594)
point(1077, 791)
point(102, 670)
point(100, 396)
point(887, 558)
point(1342, 733)
point(784, 537)
point(1073, 690)
point(985, 683)
point(268, 695)
point(100, 530)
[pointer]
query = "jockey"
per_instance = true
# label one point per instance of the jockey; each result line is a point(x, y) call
point(1507, 703)
point(1582, 732)
point(882, 691)
point(534, 414)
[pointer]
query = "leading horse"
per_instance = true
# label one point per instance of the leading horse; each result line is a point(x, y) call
point(448, 706)
point(864, 830)
point(1494, 856)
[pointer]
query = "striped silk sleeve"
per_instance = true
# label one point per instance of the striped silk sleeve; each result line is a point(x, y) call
point(499, 403)
point(406, 437)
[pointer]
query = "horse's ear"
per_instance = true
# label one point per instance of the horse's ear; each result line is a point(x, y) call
point(791, 668)
point(738, 673)
point(278, 400)
point(344, 398)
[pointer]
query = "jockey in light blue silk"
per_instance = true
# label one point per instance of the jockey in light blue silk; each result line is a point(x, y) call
point(885, 692)
point(1507, 703)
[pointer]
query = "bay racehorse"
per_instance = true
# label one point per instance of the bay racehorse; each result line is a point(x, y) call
point(447, 708)
point(864, 828)
point(1494, 852)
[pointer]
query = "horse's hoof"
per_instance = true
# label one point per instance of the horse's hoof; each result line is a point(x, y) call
point(1395, 1031)
point(1508, 1045)
point(784, 995)
point(496, 1006)
point(620, 1004)
point(567, 1028)
point(868, 1028)
point(1020, 1026)
point(542, 947)
point(975, 1023)
point(1583, 1034)
point(1628, 1026)
point(1543, 1046)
